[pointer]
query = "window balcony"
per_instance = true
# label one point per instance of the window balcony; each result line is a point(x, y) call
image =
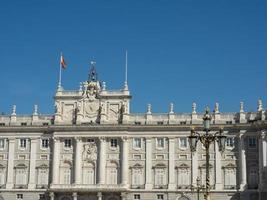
point(21, 186)
point(160, 186)
point(138, 186)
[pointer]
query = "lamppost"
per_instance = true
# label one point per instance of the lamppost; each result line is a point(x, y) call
point(206, 139)
point(198, 188)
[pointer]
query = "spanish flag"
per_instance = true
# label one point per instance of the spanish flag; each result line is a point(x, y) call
point(62, 62)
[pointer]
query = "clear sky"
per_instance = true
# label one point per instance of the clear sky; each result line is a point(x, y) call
point(178, 51)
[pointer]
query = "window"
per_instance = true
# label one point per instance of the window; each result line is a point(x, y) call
point(253, 178)
point(183, 123)
point(45, 124)
point(137, 176)
point(2, 175)
point(67, 143)
point(137, 123)
point(229, 178)
point(19, 196)
point(112, 173)
point(183, 143)
point(160, 196)
point(41, 196)
point(252, 142)
point(89, 174)
point(45, 143)
point(160, 123)
point(42, 176)
point(21, 176)
point(160, 177)
point(91, 140)
point(2, 143)
point(66, 176)
point(137, 197)
point(183, 176)
point(23, 124)
point(160, 143)
point(230, 142)
point(113, 143)
point(22, 143)
point(137, 143)
point(2, 124)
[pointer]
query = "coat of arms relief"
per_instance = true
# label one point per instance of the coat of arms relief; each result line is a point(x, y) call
point(90, 152)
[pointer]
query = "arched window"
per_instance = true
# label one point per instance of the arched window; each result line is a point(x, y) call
point(2, 175)
point(89, 173)
point(183, 176)
point(230, 176)
point(112, 173)
point(21, 174)
point(66, 173)
point(137, 176)
point(42, 175)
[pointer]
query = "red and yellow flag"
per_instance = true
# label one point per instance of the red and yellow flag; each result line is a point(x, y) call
point(62, 62)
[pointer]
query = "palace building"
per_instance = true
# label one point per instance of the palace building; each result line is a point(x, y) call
point(94, 148)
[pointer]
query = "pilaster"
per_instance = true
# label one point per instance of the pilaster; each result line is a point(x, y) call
point(125, 165)
point(262, 160)
point(102, 161)
point(10, 165)
point(242, 163)
point(148, 184)
point(56, 160)
point(171, 173)
point(75, 196)
point(218, 168)
point(32, 175)
point(78, 160)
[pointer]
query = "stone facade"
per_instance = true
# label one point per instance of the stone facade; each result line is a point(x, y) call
point(94, 148)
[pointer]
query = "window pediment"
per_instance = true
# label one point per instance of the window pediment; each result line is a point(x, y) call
point(160, 165)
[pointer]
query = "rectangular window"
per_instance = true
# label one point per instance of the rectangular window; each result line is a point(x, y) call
point(2, 124)
point(2, 143)
point(113, 143)
point(45, 143)
point(160, 143)
point(160, 177)
point(252, 142)
point(91, 140)
point(137, 143)
point(160, 197)
point(23, 143)
point(137, 197)
point(23, 124)
point(19, 196)
point(183, 143)
point(45, 124)
point(229, 142)
point(41, 196)
point(67, 143)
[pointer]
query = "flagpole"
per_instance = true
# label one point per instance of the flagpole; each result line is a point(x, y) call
point(126, 71)
point(59, 81)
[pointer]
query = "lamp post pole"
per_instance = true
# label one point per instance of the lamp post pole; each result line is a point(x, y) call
point(206, 139)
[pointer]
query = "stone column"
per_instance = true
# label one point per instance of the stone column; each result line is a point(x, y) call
point(148, 184)
point(102, 161)
point(78, 160)
point(218, 167)
point(56, 160)
point(10, 165)
point(32, 175)
point(171, 173)
point(262, 160)
point(125, 165)
point(75, 196)
point(242, 163)
point(194, 167)
point(99, 196)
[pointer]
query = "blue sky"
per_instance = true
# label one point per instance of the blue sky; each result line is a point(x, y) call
point(178, 51)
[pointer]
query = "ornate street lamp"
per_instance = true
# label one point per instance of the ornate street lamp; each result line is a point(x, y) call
point(206, 139)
